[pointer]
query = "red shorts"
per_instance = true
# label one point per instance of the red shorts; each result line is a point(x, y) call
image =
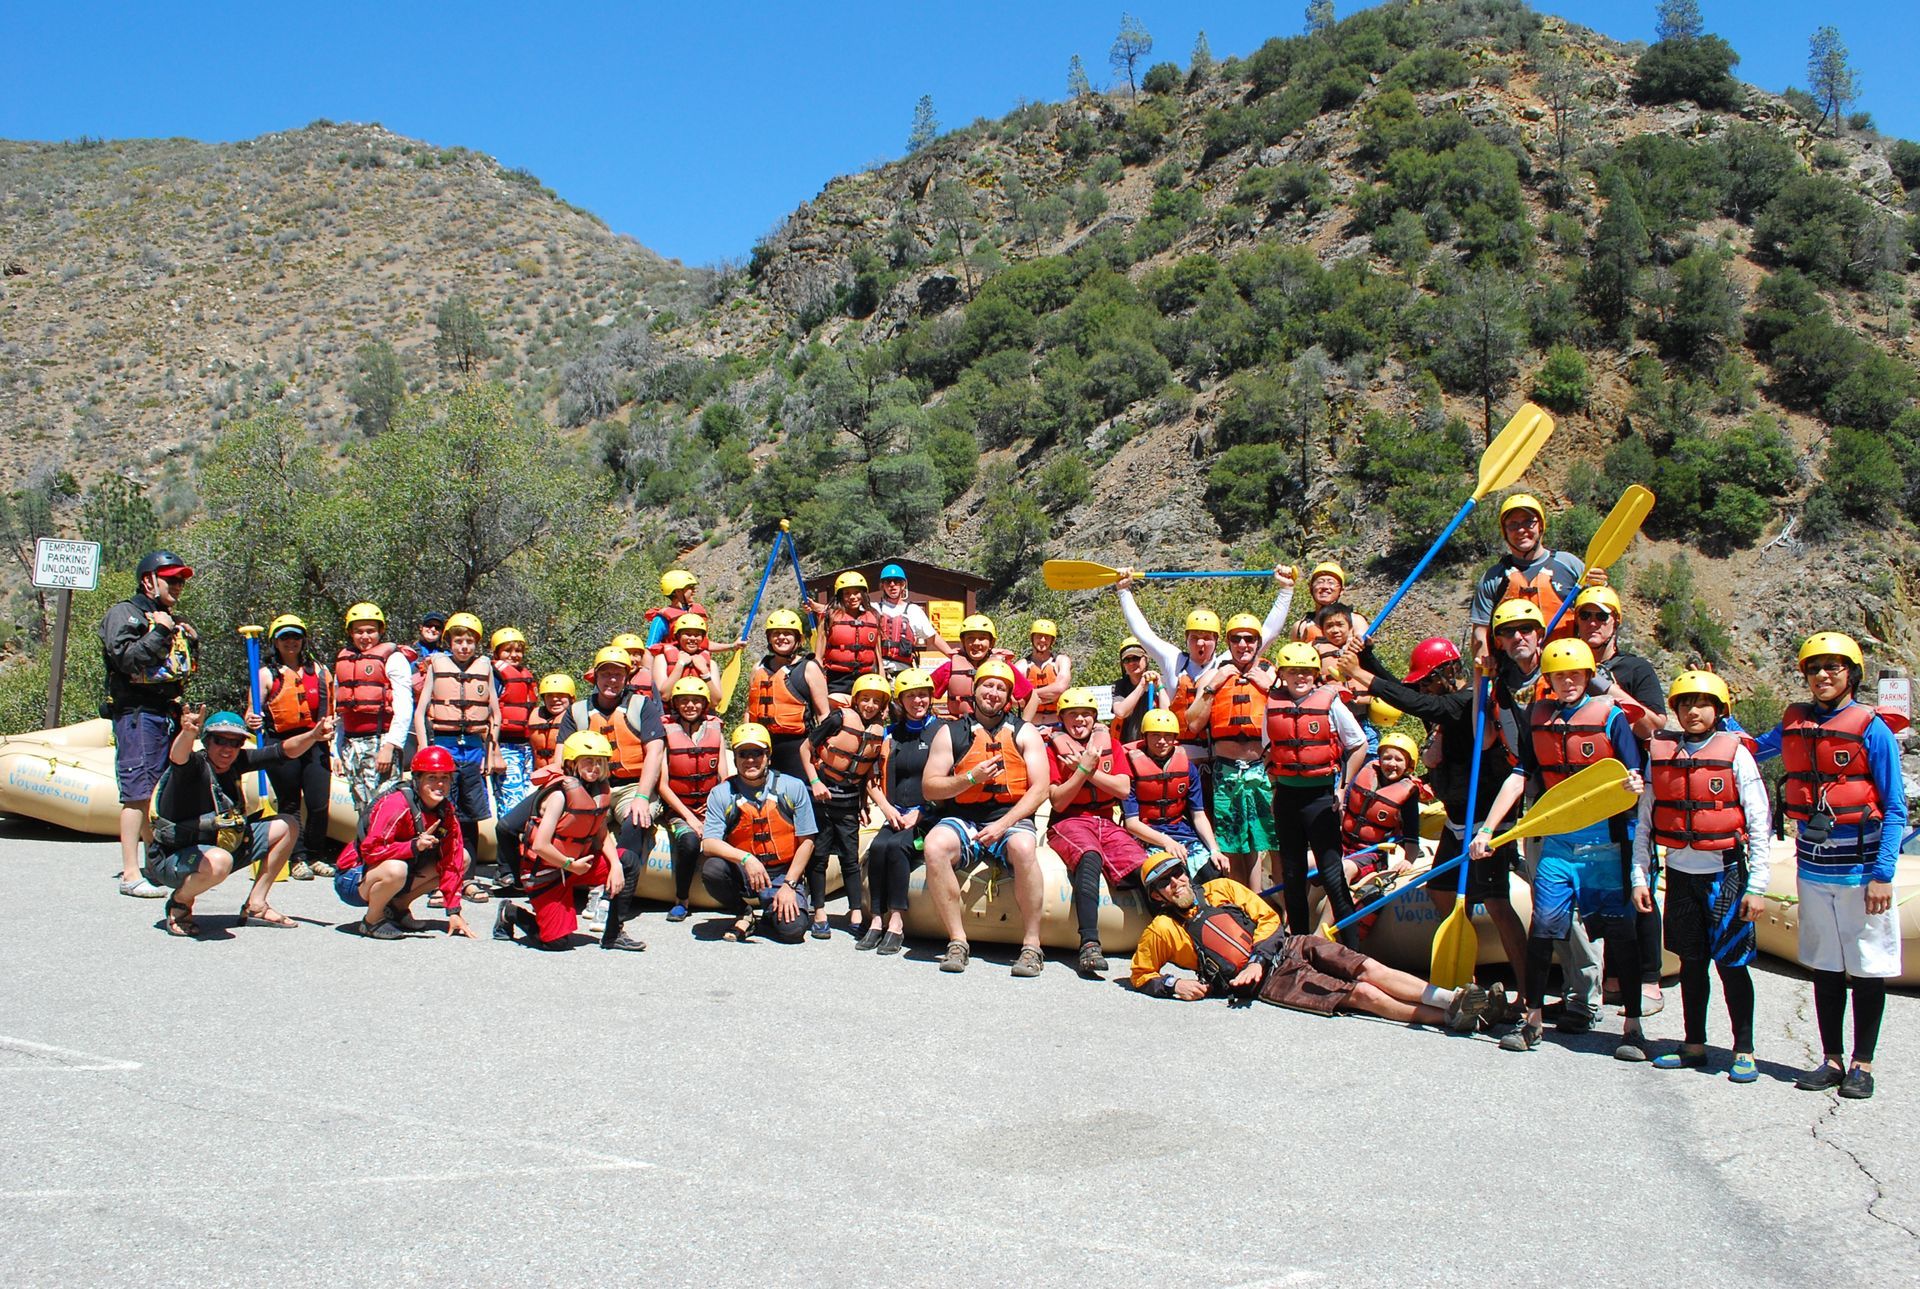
point(1121, 853)
point(553, 907)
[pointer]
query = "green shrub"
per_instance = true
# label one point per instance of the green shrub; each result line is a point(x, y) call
point(1759, 162)
point(1161, 78)
point(1561, 383)
point(1697, 68)
point(1815, 224)
point(1862, 472)
point(1247, 485)
point(1904, 159)
point(1738, 516)
point(1684, 623)
point(1065, 483)
point(1429, 69)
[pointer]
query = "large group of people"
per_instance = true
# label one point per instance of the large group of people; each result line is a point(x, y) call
point(1254, 750)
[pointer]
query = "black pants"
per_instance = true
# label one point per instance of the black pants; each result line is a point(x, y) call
point(305, 782)
point(635, 844)
point(1306, 825)
point(684, 845)
point(1696, 991)
point(839, 824)
point(726, 882)
point(1652, 938)
point(785, 755)
point(1622, 943)
point(891, 860)
point(1830, 990)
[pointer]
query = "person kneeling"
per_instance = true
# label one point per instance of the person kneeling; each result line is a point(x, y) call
point(1232, 940)
point(201, 833)
point(569, 850)
point(757, 839)
point(410, 844)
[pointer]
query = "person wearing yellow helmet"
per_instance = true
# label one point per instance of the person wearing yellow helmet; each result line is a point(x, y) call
point(840, 760)
point(296, 690)
point(640, 663)
point(696, 760)
point(408, 843)
point(680, 587)
point(1048, 672)
point(689, 653)
point(986, 774)
point(1327, 585)
point(1707, 805)
point(1137, 691)
point(557, 692)
point(1225, 717)
point(905, 628)
point(1313, 743)
point(563, 846)
point(979, 644)
point(459, 710)
point(373, 697)
point(1529, 570)
point(904, 817)
point(1166, 808)
point(786, 691)
point(1087, 780)
point(1844, 790)
point(1381, 808)
point(1583, 873)
point(758, 839)
point(518, 694)
point(850, 632)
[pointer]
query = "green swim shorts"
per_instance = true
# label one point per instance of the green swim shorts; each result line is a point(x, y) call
point(1242, 811)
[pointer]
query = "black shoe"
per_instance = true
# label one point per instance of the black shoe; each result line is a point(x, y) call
point(503, 923)
point(1092, 961)
point(1523, 1039)
point(1574, 1022)
point(625, 943)
point(381, 930)
point(1858, 1085)
point(871, 940)
point(891, 943)
point(404, 920)
point(1823, 1076)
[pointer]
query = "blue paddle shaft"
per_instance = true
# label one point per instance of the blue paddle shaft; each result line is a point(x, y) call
point(1559, 613)
point(1314, 872)
point(1219, 572)
point(253, 685)
point(801, 578)
point(773, 557)
point(1395, 894)
point(1480, 695)
point(1421, 567)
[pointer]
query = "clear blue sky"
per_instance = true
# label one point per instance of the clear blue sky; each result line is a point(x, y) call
point(695, 127)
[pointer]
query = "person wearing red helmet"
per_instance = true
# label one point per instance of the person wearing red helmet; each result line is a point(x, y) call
point(409, 843)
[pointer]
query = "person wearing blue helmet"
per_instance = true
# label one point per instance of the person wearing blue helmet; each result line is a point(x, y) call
point(905, 628)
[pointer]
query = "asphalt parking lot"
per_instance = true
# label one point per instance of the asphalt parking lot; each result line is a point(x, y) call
point(308, 1107)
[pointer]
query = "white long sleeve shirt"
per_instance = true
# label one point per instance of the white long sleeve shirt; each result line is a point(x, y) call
point(1168, 655)
point(1686, 859)
point(400, 683)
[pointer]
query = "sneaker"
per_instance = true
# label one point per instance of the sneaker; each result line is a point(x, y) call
point(1744, 1070)
point(820, 931)
point(321, 868)
point(1630, 1050)
point(1093, 961)
point(1652, 1004)
point(141, 889)
point(678, 913)
point(891, 943)
point(1858, 1085)
point(1683, 1060)
point(1574, 1022)
point(1031, 961)
point(955, 958)
point(625, 943)
point(301, 871)
point(1468, 1005)
point(503, 923)
point(1524, 1039)
point(381, 930)
point(1821, 1077)
point(871, 940)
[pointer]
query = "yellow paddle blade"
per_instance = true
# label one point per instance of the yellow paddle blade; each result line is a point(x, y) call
point(1621, 526)
point(1598, 792)
point(1456, 949)
point(728, 679)
point(1077, 575)
point(1513, 450)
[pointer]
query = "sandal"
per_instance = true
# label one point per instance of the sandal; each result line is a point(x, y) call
point(265, 915)
point(436, 901)
point(475, 893)
point(404, 920)
point(179, 921)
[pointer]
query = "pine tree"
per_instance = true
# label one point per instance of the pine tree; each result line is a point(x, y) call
point(1620, 249)
point(926, 126)
point(1200, 65)
point(1833, 82)
point(1320, 17)
point(1078, 86)
point(1678, 20)
point(1130, 49)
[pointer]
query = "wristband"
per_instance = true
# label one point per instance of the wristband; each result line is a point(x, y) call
point(970, 778)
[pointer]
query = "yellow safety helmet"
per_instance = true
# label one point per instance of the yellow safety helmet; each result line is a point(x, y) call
point(993, 669)
point(1604, 596)
point(978, 624)
point(676, 579)
point(1701, 682)
point(366, 611)
point(1076, 699)
point(1299, 656)
point(284, 623)
point(627, 640)
point(909, 680)
point(612, 656)
point(464, 622)
point(1822, 643)
point(690, 687)
point(751, 734)
point(1508, 612)
point(1161, 866)
point(1524, 501)
point(1405, 743)
point(851, 580)
point(870, 684)
point(1382, 713)
point(1566, 655)
point(1132, 642)
point(1159, 721)
point(1327, 568)
point(506, 636)
point(689, 622)
point(585, 743)
point(1044, 627)
point(1244, 622)
point(1204, 620)
point(558, 682)
point(784, 620)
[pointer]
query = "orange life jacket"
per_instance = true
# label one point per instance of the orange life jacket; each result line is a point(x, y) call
point(1238, 704)
point(361, 694)
point(853, 643)
point(960, 669)
point(1563, 745)
point(988, 801)
point(1090, 800)
point(849, 755)
point(897, 645)
point(621, 727)
point(1184, 689)
point(1301, 740)
point(1696, 797)
point(519, 695)
point(761, 828)
point(543, 730)
point(1160, 790)
point(294, 699)
point(1374, 811)
point(693, 761)
point(1826, 763)
point(457, 696)
point(777, 697)
point(1044, 673)
point(1540, 589)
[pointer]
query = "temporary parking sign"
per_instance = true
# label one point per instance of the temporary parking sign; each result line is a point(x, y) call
point(66, 565)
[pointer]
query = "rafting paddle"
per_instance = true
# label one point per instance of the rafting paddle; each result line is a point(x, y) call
point(1598, 792)
point(1504, 461)
point(1610, 541)
point(731, 676)
point(1456, 945)
point(1083, 575)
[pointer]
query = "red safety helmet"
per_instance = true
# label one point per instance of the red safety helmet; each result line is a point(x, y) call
point(1429, 655)
point(432, 760)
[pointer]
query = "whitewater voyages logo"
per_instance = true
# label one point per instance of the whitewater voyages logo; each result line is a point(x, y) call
point(53, 784)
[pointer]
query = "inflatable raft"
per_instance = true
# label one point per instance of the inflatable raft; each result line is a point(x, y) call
point(1779, 928)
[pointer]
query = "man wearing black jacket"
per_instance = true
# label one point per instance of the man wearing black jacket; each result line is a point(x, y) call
point(150, 654)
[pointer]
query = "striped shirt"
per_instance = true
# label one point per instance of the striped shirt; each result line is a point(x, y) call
point(1854, 855)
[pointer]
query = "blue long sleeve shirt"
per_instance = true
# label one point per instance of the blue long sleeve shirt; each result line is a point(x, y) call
point(1853, 855)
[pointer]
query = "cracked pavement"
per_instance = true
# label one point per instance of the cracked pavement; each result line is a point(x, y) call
point(307, 1107)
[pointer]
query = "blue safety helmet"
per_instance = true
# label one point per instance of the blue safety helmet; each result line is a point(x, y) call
point(226, 722)
point(893, 570)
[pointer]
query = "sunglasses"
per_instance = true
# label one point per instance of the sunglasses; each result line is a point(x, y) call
point(1593, 615)
point(218, 741)
point(1511, 629)
point(1818, 665)
point(748, 753)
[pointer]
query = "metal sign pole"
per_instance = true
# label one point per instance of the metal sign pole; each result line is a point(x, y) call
point(56, 679)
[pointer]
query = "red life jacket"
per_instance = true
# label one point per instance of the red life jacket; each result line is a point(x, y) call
point(583, 817)
point(457, 696)
point(853, 643)
point(1160, 790)
point(1301, 740)
point(702, 664)
point(959, 685)
point(519, 695)
point(543, 730)
point(293, 702)
point(1238, 704)
point(1090, 800)
point(1564, 745)
point(1222, 938)
point(1696, 797)
point(850, 754)
point(1826, 763)
point(897, 645)
point(1374, 811)
point(361, 694)
point(693, 761)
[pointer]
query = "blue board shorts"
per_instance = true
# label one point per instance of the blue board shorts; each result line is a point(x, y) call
point(141, 743)
point(972, 852)
point(171, 869)
point(1584, 873)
